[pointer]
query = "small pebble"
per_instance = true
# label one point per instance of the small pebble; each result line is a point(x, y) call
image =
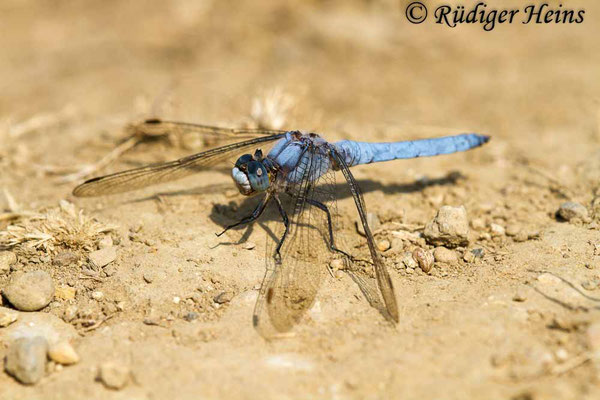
point(249, 245)
point(521, 237)
point(397, 245)
point(196, 298)
point(478, 252)
point(449, 227)
point(105, 242)
point(65, 258)
point(103, 257)
point(468, 256)
point(497, 230)
point(589, 285)
point(30, 291)
point(191, 316)
point(97, 295)
point(444, 255)
point(176, 299)
point(384, 245)
point(63, 353)
point(65, 293)
point(519, 296)
point(70, 313)
point(7, 316)
point(7, 259)
point(110, 270)
point(114, 375)
point(424, 258)
point(148, 277)
point(478, 224)
point(408, 261)
point(223, 297)
point(513, 230)
point(571, 210)
point(561, 355)
point(26, 359)
point(485, 236)
point(337, 264)
point(372, 221)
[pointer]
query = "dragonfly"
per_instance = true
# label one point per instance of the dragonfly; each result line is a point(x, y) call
point(297, 175)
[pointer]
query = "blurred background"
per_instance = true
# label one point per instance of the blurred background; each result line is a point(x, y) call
point(346, 63)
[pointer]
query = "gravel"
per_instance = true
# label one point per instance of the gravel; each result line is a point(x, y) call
point(409, 261)
point(384, 245)
point(571, 210)
point(103, 257)
point(26, 359)
point(114, 375)
point(497, 230)
point(7, 259)
point(30, 291)
point(424, 258)
point(445, 255)
point(7, 316)
point(65, 293)
point(223, 297)
point(449, 227)
point(63, 353)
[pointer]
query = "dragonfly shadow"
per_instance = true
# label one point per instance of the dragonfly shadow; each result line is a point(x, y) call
point(200, 190)
point(224, 215)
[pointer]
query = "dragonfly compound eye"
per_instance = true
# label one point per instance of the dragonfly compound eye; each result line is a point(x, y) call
point(250, 176)
point(258, 176)
point(242, 162)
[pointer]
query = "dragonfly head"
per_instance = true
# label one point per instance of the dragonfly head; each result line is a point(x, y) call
point(250, 174)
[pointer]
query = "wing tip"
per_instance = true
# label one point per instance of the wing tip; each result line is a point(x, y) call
point(82, 190)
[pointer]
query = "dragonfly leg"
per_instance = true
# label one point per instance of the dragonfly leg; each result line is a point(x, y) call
point(286, 222)
point(323, 207)
point(252, 217)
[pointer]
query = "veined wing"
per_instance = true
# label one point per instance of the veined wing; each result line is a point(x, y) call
point(291, 285)
point(384, 282)
point(165, 172)
point(213, 134)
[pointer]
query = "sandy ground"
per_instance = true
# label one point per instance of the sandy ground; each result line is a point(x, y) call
point(74, 74)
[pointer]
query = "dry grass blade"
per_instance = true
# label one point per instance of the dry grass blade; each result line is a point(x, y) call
point(62, 226)
point(270, 109)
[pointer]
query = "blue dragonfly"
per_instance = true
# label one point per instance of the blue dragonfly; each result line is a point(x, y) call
point(299, 167)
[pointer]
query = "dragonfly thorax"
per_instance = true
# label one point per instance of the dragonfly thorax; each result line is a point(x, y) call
point(250, 174)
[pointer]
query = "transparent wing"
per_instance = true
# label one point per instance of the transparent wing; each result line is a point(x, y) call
point(164, 172)
point(291, 284)
point(212, 134)
point(384, 282)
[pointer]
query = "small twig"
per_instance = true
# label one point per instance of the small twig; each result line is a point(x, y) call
point(98, 323)
point(407, 227)
point(94, 278)
point(573, 363)
point(12, 203)
point(42, 120)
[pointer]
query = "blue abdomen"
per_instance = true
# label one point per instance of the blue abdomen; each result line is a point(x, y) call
point(356, 153)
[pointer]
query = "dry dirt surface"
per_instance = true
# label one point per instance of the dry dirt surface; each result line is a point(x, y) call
point(515, 316)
